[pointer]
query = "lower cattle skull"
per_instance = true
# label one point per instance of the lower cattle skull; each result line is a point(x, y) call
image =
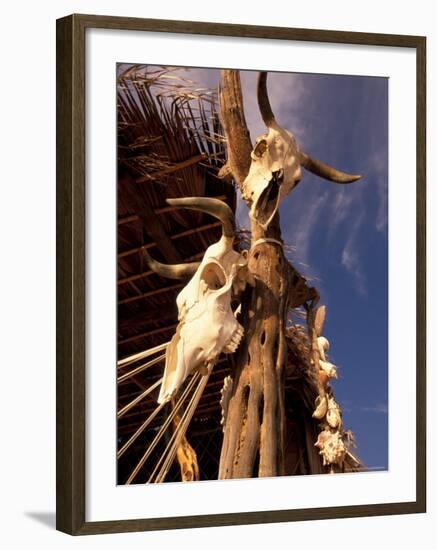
point(207, 325)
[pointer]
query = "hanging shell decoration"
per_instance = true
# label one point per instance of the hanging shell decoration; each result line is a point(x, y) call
point(332, 447)
point(333, 442)
point(328, 368)
point(321, 407)
point(324, 404)
point(333, 415)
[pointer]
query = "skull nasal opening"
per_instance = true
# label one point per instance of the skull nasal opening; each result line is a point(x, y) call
point(213, 276)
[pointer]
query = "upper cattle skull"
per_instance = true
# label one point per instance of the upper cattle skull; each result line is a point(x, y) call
point(274, 171)
point(276, 162)
point(207, 325)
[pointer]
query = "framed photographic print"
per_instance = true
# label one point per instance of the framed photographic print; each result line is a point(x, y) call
point(240, 274)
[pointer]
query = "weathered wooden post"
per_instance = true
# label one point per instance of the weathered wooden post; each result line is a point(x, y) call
point(255, 418)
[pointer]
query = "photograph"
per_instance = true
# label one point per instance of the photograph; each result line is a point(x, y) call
point(252, 274)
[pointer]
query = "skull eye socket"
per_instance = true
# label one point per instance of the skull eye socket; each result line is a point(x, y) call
point(260, 148)
point(213, 277)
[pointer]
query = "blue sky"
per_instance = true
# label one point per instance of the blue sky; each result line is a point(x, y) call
point(339, 232)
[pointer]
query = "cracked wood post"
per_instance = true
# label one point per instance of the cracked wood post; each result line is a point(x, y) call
point(254, 429)
point(186, 456)
point(255, 420)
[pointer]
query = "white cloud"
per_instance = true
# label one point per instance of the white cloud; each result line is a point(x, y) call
point(350, 258)
point(377, 166)
point(340, 209)
point(307, 223)
point(381, 408)
point(379, 163)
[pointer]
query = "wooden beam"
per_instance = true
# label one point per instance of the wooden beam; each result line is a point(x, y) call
point(173, 168)
point(131, 251)
point(133, 285)
point(145, 334)
point(150, 221)
point(186, 233)
point(161, 210)
point(125, 280)
point(150, 293)
point(128, 219)
point(149, 315)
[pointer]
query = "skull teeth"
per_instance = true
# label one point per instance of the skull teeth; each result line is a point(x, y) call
point(234, 340)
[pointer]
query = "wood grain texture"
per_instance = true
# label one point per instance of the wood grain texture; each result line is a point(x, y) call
point(70, 301)
point(247, 518)
point(248, 31)
point(421, 274)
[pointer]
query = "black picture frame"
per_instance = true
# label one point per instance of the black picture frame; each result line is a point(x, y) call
point(71, 252)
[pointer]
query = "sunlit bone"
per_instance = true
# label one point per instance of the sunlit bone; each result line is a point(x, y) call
point(328, 368)
point(207, 325)
point(333, 415)
point(332, 447)
point(325, 405)
point(276, 162)
point(321, 407)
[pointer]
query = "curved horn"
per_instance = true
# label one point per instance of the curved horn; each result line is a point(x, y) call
point(325, 171)
point(263, 100)
point(171, 271)
point(312, 165)
point(215, 207)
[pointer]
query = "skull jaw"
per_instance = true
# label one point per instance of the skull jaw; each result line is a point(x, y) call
point(197, 344)
point(266, 204)
point(174, 372)
point(178, 366)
